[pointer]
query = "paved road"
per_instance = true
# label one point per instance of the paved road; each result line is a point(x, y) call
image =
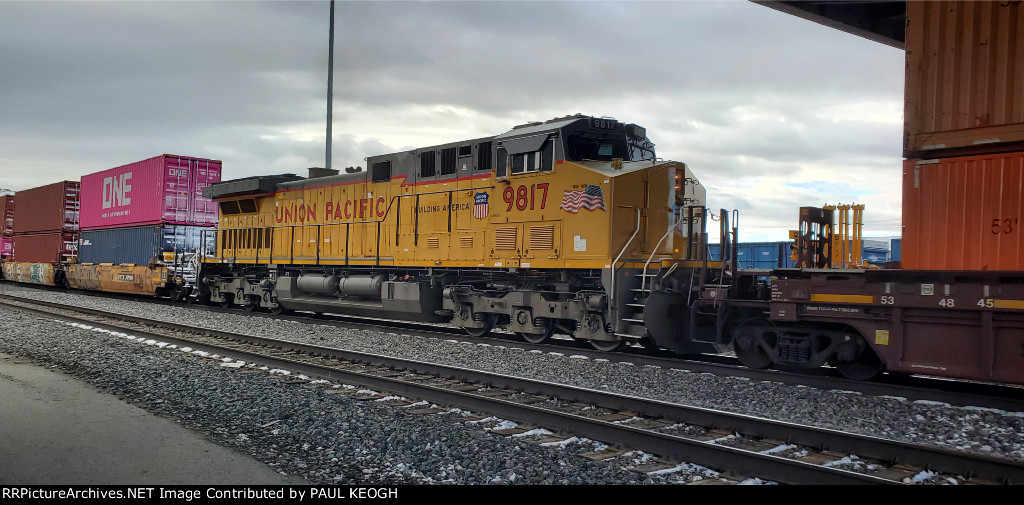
point(55, 429)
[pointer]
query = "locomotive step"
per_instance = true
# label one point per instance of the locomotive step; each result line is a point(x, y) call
point(635, 305)
point(629, 335)
point(638, 321)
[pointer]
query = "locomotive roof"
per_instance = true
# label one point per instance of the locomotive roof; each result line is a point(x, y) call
point(247, 185)
point(323, 181)
point(605, 167)
point(534, 128)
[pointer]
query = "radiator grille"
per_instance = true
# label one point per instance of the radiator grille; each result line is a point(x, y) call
point(433, 242)
point(465, 242)
point(505, 238)
point(542, 237)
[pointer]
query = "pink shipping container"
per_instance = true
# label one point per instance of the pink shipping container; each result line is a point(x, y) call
point(46, 247)
point(46, 209)
point(167, 189)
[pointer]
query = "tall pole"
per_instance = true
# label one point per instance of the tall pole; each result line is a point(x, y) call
point(330, 88)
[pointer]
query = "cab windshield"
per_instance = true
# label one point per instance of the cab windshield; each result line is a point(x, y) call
point(581, 148)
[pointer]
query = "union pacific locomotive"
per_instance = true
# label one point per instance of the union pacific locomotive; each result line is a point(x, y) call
point(575, 226)
point(520, 230)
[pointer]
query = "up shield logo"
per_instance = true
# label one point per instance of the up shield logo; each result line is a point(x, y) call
point(480, 207)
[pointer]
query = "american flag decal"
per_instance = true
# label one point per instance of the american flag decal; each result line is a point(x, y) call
point(590, 198)
point(480, 206)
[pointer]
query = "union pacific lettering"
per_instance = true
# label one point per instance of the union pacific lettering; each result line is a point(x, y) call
point(292, 213)
point(361, 209)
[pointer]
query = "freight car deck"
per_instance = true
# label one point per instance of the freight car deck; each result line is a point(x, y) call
point(967, 324)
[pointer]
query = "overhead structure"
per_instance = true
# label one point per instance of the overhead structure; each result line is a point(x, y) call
point(880, 21)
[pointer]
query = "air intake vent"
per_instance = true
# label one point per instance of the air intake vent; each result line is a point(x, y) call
point(465, 242)
point(433, 242)
point(505, 238)
point(542, 237)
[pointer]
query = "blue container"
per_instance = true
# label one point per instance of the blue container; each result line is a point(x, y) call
point(875, 256)
point(143, 245)
point(897, 246)
point(759, 255)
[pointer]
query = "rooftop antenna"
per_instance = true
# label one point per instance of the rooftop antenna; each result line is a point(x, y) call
point(330, 88)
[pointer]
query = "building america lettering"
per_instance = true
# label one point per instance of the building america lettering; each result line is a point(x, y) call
point(444, 208)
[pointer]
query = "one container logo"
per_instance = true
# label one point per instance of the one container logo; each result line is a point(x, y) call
point(115, 190)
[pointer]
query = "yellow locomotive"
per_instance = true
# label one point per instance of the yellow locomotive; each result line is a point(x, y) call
point(568, 225)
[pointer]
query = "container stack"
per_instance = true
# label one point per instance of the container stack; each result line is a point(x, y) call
point(45, 228)
point(963, 171)
point(6, 226)
point(149, 212)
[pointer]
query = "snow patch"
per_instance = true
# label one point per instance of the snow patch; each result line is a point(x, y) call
point(536, 431)
point(502, 424)
point(778, 448)
point(932, 402)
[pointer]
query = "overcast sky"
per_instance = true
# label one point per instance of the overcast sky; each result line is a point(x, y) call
point(771, 112)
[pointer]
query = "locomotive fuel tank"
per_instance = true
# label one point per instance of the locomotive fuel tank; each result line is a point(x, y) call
point(320, 284)
point(363, 286)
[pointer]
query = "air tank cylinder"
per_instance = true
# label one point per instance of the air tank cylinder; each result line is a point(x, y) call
point(362, 286)
point(318, 283)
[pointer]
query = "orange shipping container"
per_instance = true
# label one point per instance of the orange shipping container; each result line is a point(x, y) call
point(964, 213)
point(965, 78)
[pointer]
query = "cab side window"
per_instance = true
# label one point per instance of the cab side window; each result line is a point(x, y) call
point(526, 155)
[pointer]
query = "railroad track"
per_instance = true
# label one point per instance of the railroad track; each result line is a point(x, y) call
point(743, 445)
point(953, 392)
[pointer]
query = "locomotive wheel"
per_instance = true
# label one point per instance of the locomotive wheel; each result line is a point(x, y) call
point(488, 325)
point(608, 346)
point(227, 301)
point(277, 311)
point(251, 304)
point(539, 338)
point(867, 366)
point(746, 346)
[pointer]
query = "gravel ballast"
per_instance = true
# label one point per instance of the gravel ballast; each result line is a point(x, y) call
point(985, 431)
point(301, 428)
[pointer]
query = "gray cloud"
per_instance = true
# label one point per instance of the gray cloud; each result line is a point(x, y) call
point(751, 98)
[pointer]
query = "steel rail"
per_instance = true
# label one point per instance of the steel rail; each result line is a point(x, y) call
point(955, 393)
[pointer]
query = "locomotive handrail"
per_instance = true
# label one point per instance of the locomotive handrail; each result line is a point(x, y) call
point(611, 295)
point(643, 278)
point(348, 224)
point(381, 220)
